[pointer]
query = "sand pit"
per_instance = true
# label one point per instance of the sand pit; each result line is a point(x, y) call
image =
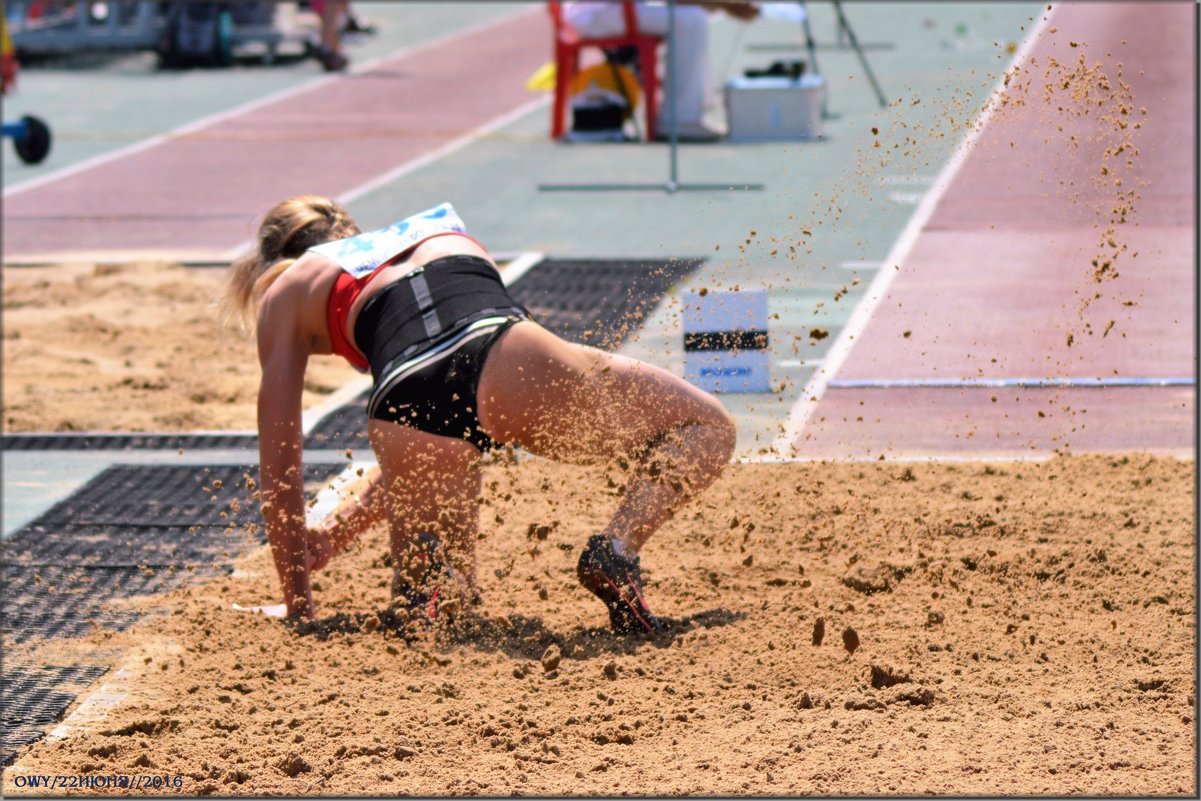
point(1023, 628)
point(130, 347)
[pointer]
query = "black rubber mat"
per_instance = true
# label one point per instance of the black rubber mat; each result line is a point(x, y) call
point(132, 530)
point(598, 302)
point(36, 698)
point(127, 546)
point(326, 435)
point(166, 496)
point(127, 442)
point(344, 428)
point(50, 601)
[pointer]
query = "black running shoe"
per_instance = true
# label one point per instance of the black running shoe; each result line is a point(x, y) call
point(425, 581)
point(617, 581)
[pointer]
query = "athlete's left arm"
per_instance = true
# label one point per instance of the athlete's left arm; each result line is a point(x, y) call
point(363, 507)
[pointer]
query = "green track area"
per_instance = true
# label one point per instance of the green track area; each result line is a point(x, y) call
point(825, 204)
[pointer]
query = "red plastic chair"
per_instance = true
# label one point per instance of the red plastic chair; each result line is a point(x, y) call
point(568, 43)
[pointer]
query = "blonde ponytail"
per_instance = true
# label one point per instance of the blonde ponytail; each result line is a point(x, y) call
point(287, 231)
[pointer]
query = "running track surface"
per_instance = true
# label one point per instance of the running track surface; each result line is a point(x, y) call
point(203, 191)
point(997, 279)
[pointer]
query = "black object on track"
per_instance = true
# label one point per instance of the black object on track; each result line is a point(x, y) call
point(132, 530)
point(36, 698)
point(128, 442)
point(598, 302)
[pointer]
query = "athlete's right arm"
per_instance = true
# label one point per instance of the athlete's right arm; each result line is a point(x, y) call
point(283, 355)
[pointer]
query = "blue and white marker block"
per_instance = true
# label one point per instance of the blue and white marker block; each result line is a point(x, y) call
point(725, 340)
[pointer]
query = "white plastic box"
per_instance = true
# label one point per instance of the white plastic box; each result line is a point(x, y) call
point(725, 340)
point(775, 108)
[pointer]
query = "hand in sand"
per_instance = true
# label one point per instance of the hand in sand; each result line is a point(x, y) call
point(320, 547)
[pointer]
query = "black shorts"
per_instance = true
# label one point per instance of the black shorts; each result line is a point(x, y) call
point(427, 336)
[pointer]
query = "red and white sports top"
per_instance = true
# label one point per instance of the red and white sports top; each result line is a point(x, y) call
point(361, 258)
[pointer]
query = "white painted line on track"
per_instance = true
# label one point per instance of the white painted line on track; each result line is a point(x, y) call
point(512, 271)
point(253, 105)
point(1007, 383)
point(837, 355)
point(450, 147)
point(1182, 456)
point(956, 458)
point(423, 160)
point(342, 396)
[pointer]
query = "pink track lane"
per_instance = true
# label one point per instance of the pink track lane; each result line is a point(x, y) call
point(204, 191)
point(1001, 275)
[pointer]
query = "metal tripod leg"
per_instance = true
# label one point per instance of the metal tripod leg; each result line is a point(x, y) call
point(672, 185)
point(811, 46)
point(845, 27)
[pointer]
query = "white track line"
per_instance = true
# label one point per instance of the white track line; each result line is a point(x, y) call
point(330, 497)
point(252, 105)
point(459, 143)
point(519, 266)
point(423, 160)
point(955, 458)
point(96, 705)
point(1034, 457)
point(837, 355)
point(1007, 383)
point(341, 396)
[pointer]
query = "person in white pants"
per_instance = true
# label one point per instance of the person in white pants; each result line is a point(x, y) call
point(691, 52)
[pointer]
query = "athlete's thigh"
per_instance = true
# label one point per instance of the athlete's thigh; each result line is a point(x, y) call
point(425, 474)
point(573, 402)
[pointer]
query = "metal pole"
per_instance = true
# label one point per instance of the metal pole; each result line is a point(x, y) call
point(816, 71)
point(810, 45)
point(846, 27)
point(672, 122)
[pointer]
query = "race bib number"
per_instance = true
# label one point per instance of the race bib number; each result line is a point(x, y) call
point(361, 255)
